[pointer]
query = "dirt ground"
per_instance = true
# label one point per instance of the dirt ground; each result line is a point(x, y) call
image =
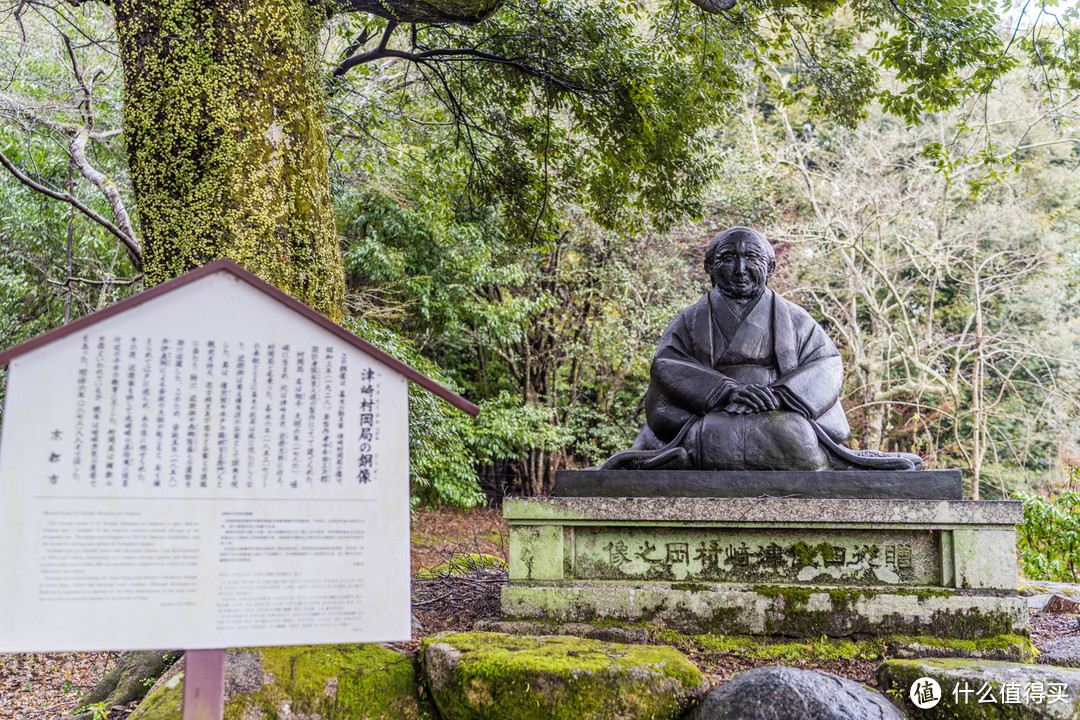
point(46, 686)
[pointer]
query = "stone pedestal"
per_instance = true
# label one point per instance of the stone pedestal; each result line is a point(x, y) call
point(773, 566)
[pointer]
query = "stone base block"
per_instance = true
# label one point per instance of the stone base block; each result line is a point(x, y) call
point(775, 566)
point(893, 484)
point(773, 610)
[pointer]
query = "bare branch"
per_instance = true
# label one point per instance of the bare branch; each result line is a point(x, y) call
point(129, 243)
point(33, 116)
point(107, 186)
point(455, 54)
point(87, 281)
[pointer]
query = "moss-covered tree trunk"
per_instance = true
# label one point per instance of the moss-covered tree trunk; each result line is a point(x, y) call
point(224, 124)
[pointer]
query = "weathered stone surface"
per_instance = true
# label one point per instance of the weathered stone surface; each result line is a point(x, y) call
point(874, 484)
point(358, 682)
point(836, 556)
point(1064, 652)
point(784, 693)
point(1037, 602)
point(768, 565)
point(1010, 648)
point(774, 610)
point(1008, 690)
point(489, 675)
point(609, 633)
point(757, 510)
point(1035, 587)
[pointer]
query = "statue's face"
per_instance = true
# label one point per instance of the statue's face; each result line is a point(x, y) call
point(741, 267)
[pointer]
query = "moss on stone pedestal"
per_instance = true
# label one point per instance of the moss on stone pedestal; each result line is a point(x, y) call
point(324, 682)
point(489, 675)
point(224, 126)
point(995, 647)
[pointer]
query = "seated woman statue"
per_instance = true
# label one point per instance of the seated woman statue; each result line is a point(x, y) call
point(746, 380)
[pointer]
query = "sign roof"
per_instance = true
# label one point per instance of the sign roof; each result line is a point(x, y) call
point(226, 265)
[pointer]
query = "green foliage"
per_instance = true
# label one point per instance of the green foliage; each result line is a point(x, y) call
point(461, 564)
point(441, 468)
point(942, 53)
point(551, 342)
point(1048, 542)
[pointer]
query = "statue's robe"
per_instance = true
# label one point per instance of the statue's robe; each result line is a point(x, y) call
point(709, 349)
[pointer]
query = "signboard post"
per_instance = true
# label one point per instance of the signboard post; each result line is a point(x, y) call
point(207, 464)
point(204, 684)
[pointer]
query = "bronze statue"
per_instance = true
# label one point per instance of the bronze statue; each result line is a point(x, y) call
point(746, 380)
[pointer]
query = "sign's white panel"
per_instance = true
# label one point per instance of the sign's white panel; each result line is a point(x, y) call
point(207, 469)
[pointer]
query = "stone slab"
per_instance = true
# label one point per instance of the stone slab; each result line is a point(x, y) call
point(1038, 587)
point(772, 609)
point(773, 512)
point(983, 689)
point(1064, 652)
point(927, 484)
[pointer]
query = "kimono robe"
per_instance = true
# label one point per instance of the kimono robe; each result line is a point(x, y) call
point(708, 349)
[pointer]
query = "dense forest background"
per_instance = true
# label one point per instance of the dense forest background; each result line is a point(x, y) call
point(528, 254)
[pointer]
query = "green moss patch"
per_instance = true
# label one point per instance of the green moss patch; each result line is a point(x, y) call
point(764, 648)
point(489, 675)
point(995, 647)
point(331, 682)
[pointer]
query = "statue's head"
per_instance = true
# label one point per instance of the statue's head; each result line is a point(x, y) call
point(740, 261)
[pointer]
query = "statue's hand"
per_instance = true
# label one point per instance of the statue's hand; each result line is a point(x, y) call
point(752, 399)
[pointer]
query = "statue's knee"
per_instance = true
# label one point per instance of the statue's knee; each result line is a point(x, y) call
point(793, 444)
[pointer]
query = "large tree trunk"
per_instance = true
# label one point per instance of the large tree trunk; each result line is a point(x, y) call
point(224, 124)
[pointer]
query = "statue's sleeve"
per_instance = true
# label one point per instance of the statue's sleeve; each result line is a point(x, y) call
point(680, 368)
point(813, 387)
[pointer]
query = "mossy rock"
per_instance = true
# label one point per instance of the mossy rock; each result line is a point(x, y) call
point(1014, 648)
point(461, 565)
point(1029, 588)
point(484, 675)
point(322, 682)
point(776, 648)
point(1003, 687)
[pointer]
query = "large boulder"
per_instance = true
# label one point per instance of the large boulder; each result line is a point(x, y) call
point(775, 692)
point(484, 675)
point(984, 689)
point(331, 682)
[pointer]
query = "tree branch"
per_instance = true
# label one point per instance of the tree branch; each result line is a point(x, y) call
point(464, 54)
point(129, 243)
point(107, 186)
point(421, 11)
point(12, 105)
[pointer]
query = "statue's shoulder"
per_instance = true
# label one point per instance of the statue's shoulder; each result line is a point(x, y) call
point(692, 314)
point(796, 312)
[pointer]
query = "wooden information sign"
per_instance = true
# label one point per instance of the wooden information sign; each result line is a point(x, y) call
point(208, 464)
